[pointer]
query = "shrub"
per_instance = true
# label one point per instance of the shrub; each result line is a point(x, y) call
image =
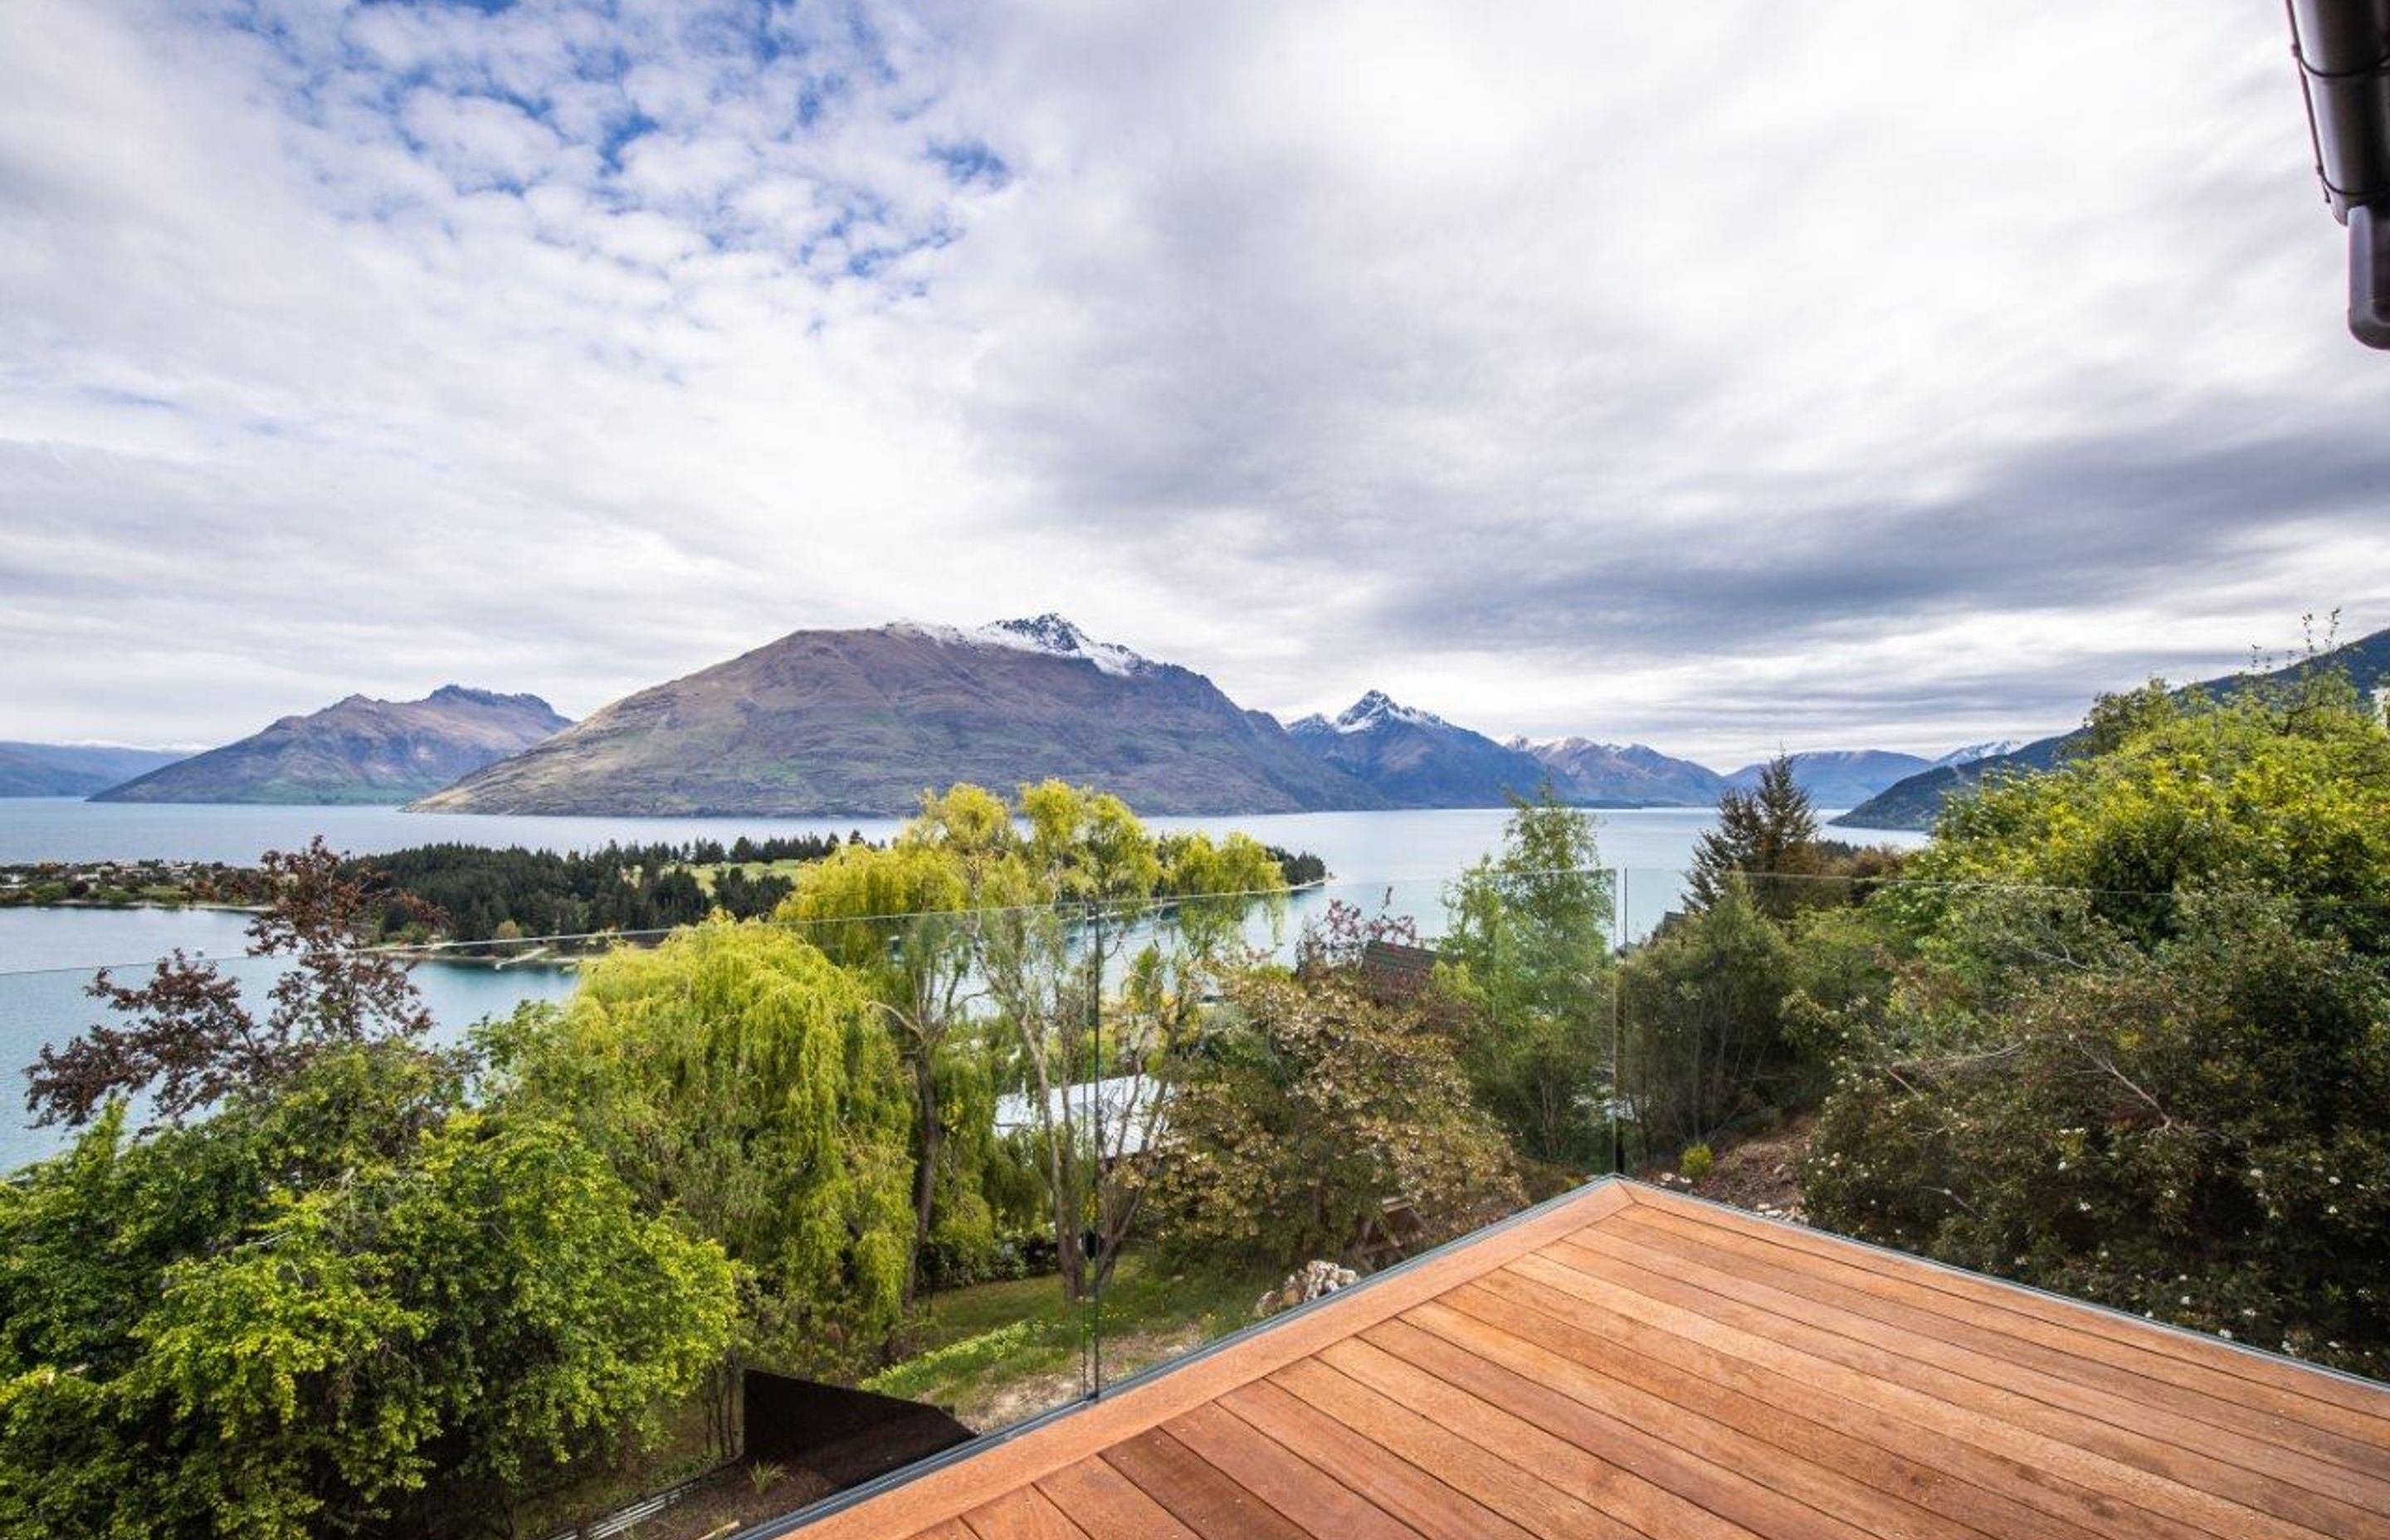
point(1298, 1124)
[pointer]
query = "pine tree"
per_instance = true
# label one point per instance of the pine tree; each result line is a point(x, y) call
point(1766, 839)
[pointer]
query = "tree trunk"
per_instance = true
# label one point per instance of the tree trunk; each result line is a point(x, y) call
point(925, 1174)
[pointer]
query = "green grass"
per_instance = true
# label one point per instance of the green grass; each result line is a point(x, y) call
point(994, 1353)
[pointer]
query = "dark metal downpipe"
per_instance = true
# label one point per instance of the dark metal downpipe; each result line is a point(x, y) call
point(2343, 48)
point(2369, 275)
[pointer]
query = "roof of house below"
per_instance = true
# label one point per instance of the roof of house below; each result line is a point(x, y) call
point(1628, 1362)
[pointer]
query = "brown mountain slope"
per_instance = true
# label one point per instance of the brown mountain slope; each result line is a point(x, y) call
point(860, 721)
point(357, 750)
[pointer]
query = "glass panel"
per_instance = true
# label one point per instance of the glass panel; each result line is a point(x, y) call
point(1377, 1069)
point(988, 1013)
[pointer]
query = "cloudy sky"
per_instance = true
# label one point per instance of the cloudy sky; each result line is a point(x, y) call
point(1725, 376)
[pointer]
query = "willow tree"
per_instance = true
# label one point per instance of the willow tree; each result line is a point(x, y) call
point(738, 1076)
point(1060, 890)
point(893, 918)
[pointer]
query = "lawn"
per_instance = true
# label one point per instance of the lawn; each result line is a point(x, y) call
point(995, 1352)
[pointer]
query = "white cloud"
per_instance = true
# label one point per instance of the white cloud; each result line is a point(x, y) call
point(1720, 377)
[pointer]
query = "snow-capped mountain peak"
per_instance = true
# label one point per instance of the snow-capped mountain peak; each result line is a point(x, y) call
point(1050, 634)
point(1554, 748)
point(1377, 709)
point(1974, 752)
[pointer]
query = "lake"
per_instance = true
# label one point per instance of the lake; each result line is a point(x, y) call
point(1399, 859)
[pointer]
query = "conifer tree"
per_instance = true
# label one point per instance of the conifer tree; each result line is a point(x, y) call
point(1767, 837)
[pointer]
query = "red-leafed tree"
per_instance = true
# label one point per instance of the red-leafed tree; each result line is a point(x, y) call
point(187, 1038)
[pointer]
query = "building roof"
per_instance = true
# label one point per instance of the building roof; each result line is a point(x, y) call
point(1627, 1362)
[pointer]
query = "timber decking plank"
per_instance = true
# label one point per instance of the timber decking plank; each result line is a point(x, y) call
point(1945, 1400)
point(1669, 1458)
point(1320, 1504)
point(2367, 1400)
point(1023, 1514)
point(2216, 1461)
point(1026, 1458)
point(2103, 1336)
point(1195, 1492)
point(1420, 1499)
point(1592, 1369)
point(1634, 1365)
point(2115, 1496)
point(2361, 1475)
point(1597, 1477)
point(1107, 1505)
point(1539, 1314)
point(1517, 1494)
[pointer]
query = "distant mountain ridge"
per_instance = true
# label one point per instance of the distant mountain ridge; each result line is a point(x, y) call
point(1414, 757)
point(359, 750)
point(1970, 754)
point(1623, 774)
point(75, 769)
point(1916, 802)
point(861, 722)
point(1839, 778)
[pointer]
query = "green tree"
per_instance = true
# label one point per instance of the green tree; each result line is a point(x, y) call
point(2279, 790)
point(1703, 1013)
point(1768, 836)
point(1317, 1107)
point(2134, 1039)
point(734, 1075)
point(1527, 945)
point(893, 917)
point(344, 1305)
point(1061, 890)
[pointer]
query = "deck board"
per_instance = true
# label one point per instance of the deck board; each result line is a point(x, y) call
point(1630, 1364)
point(2252, 1414)
point(2256, 1438)
point(2368, 1404)
point(2178, 1449)
point(1553, 1346)
point(1284, 1479)
point(1026, 1514)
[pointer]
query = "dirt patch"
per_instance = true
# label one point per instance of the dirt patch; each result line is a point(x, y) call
point(1761, 1173)
point(1019, 1399)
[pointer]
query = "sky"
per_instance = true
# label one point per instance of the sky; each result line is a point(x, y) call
point(1729, 376)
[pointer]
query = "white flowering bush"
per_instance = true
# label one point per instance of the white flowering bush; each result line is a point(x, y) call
point(2196, 1133)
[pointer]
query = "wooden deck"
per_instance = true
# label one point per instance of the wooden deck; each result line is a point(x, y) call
point(1632, 1363)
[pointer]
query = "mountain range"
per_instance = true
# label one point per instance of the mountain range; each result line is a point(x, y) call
point(75, 769)
point(861, 722)
point(356, 750)
point(1838, 778)
point(1623, 774)
point(1413, 758)
point(1916, 802)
